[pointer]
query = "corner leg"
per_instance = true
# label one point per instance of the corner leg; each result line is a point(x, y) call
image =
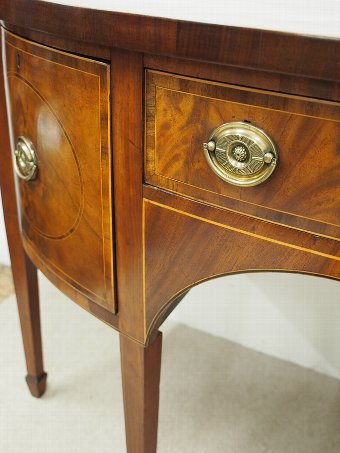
point(26, 287)
point(27, 294)
point(141, 368)
point(24, 272)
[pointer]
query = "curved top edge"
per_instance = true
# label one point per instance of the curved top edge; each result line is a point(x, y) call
point(313, 18)
point(259, 49)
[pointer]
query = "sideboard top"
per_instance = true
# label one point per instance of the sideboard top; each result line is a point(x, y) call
point(315, 17)
point(259, 49)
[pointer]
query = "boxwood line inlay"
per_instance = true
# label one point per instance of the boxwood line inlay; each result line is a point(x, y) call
point(124, 213)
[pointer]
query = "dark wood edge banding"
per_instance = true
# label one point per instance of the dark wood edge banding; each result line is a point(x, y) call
point(282, 83)
point(240, 223)
point(293, 251)
point(286, 53)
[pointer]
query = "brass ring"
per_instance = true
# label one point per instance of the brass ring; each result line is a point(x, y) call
point(26, 166)
point(241, 154)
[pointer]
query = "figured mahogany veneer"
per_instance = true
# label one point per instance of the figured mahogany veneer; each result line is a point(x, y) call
point(61, 103)
point(125, 215)
point(182, 112)
point(236, 243)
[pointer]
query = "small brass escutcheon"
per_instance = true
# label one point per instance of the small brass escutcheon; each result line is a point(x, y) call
point(26, 166)
point(241, 154)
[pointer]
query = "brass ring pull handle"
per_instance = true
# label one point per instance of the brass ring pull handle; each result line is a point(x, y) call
point(26, 166)
point(241, 154)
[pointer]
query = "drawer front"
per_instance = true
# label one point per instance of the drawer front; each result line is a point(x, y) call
point(60, 110)
point(304, 189)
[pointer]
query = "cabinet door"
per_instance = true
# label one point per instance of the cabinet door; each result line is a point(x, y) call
point(60, 121)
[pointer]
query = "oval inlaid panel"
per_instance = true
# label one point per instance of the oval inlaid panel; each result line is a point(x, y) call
point(58, 186)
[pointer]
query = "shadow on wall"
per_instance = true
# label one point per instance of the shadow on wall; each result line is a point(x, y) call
point(290, 316)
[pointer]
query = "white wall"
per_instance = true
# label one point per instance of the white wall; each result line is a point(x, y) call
point(289, 316)
point(4, 255)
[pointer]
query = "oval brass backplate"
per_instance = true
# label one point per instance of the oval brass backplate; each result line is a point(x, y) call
point(241, 154)
point(26, 165)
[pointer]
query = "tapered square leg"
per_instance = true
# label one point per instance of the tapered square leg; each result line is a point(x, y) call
point(29, 314)
point(24, 272)
point(141, 368)
point(26, 288)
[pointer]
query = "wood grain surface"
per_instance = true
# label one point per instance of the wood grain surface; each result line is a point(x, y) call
point(127, 115)
point(304, 190)
point(243, 47)
point(193, 242)
point(60, 102)
point(23, 270)
point(141, 368)
point(160, 231)
point(248, 77)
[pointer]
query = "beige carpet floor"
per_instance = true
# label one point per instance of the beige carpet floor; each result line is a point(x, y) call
point(215, 396)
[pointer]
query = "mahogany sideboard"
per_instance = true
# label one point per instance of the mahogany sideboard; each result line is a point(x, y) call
point(140, 156)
